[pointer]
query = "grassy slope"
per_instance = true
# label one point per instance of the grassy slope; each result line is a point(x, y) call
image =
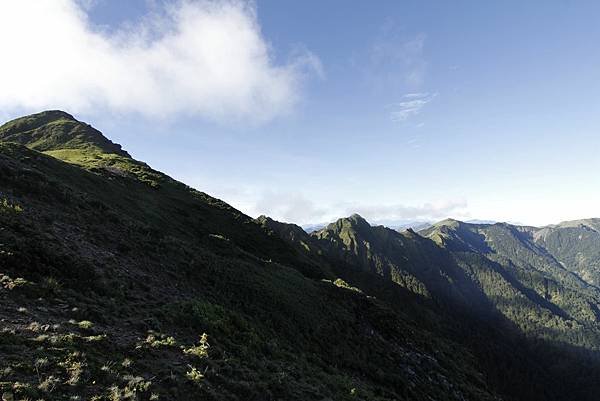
point(111, 272)
point(57, 130)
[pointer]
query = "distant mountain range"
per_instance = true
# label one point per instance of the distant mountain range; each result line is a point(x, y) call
point(118, 282)
point(398, 225)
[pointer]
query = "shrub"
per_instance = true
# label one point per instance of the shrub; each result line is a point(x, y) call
point(10, 207)
point(85, 324)
point(52, 285)
point(342, 284)
point(194, 375)
point(11, 284)
point(160, 340)
point(200, 350)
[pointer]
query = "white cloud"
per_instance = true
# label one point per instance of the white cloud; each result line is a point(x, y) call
point(428, 211)
point(411, 105)
point(206, 58)
point(289, 207)
point(297, 208)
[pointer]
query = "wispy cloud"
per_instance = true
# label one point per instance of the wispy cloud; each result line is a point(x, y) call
point(397, 60)
point(411, 105)
point(206, 58)
point(393, 60)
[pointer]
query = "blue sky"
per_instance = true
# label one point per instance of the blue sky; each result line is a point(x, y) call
point(397, 110)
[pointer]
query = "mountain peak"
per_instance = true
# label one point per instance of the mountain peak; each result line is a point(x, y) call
point(449, 222)
point(263, 219)
point(51, 115)
point(283, 229)
point(357, 218)
point(354, 222)
point(55, 130)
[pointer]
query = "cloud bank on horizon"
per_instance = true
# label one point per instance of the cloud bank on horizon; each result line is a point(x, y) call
point(294, 207)
point(196, 58)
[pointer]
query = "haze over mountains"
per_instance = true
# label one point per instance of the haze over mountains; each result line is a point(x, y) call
point(118, 282)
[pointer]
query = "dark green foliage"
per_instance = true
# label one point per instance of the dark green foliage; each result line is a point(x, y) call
point(485, 274)
point(576, 245)
point(525, 282)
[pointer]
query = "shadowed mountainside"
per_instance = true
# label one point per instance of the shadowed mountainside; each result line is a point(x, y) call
point(497, 274)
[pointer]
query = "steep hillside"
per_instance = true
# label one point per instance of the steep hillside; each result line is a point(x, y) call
point(118, 282)
point(524, 280)
point(405, 258)
point(478, 284)
point(576, 245)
